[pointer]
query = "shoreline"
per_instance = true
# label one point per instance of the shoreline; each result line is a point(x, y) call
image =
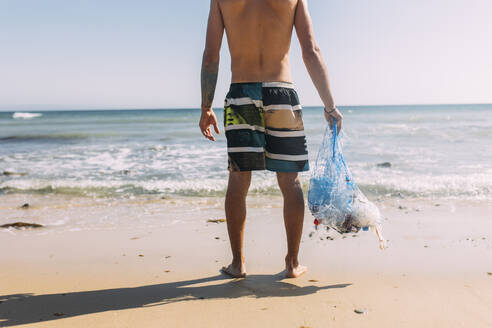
point(57, 211)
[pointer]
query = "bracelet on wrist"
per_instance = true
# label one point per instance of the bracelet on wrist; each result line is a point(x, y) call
point(331, 111)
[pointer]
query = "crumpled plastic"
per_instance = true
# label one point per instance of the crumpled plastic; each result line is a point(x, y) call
point(334, 199)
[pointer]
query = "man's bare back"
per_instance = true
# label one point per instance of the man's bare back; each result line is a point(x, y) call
point(259, 34)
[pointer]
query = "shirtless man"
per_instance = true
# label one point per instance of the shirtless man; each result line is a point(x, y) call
point(262, 113)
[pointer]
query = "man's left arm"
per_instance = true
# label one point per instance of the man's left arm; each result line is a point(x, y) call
point(210, 69)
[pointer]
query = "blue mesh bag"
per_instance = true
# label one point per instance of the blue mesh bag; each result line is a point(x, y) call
point(334, 199)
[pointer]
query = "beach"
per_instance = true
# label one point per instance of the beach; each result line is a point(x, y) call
point(437, 271)
point(132, 228)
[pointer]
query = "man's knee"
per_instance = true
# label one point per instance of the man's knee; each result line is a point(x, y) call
point(288, 180)
point(239, 180)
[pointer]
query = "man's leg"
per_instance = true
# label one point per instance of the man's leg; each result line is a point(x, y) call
point(235, 208)
point(293, 218)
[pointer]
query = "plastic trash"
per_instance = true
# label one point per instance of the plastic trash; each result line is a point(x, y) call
point(334, 198)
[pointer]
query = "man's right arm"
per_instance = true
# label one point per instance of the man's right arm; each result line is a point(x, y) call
point(314, 61)
point(210, 69)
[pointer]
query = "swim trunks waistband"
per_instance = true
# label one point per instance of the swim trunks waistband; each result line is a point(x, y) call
point(288, 85)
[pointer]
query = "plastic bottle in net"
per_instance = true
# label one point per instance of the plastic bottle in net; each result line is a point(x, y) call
point(334, 199)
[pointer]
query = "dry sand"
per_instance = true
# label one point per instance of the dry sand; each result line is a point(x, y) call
point(434, 273)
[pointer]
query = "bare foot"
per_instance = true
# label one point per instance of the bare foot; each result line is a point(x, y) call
point(295, 272)
point(234, 271)
point(292, 267)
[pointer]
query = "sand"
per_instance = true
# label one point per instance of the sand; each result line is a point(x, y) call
point(143, 274)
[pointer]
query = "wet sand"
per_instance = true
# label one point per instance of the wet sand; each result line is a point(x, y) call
point(145, 274)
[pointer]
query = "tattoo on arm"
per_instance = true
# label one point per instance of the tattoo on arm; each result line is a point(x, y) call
point(209, 82)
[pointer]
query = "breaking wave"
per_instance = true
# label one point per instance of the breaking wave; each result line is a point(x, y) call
point(25, 115)
point(444, 187)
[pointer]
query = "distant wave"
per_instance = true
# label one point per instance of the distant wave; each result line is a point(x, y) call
point(46, 137)
point(25, 116)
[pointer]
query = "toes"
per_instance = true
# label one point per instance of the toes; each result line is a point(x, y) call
point(226, 270)
point(230, 271)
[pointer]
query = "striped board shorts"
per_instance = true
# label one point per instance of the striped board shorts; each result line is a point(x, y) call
point(264, 128)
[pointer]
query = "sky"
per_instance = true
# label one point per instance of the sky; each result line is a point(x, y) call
point(99, 54)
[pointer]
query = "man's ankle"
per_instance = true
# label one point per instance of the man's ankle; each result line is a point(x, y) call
point(291, 261)
point(237, 262)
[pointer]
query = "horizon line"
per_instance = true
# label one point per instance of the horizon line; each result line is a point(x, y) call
point(215, 108)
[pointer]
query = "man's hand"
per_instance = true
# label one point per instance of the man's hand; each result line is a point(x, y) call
point(330, 115)
point(206, 121)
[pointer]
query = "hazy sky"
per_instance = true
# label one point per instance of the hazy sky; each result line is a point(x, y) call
point(147, 54)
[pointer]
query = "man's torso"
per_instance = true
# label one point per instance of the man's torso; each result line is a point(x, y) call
point(259, 34)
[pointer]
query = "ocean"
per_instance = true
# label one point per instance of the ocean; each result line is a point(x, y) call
point(434, 151)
